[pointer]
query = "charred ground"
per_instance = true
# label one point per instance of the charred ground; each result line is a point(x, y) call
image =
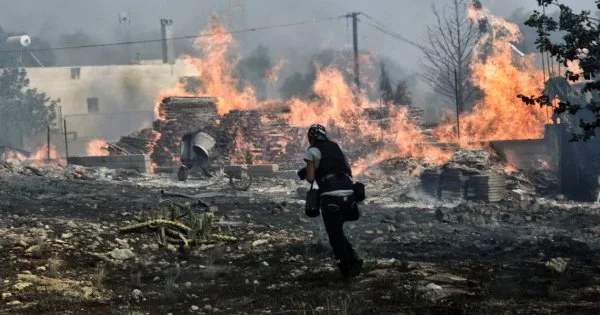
point(59, 235)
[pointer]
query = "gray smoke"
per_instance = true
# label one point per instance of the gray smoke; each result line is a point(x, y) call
point(81, 22)
point(98, 20)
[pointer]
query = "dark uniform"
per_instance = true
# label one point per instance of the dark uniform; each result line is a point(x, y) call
point(337, 200)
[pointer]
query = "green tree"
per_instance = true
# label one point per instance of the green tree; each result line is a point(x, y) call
point(385, 86)
point(300, 84)
point(296, 85)
point(402, 95)
point(24, 112)
point(580, 42)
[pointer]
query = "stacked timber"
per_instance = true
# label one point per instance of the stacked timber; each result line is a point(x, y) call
point(178, 116)
point(136, 143)
point(417, 116)
point(238, 135)
point(452, 184)
point(283, 144)
point(258, 137)
point(488, 188)
point(430, 182)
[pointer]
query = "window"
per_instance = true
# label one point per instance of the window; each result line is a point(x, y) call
point(75, 73)
point(92, 104)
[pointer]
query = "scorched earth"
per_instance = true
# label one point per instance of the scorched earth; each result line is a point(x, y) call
point(63, 250)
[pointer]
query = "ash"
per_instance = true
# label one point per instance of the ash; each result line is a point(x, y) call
point(64, 245)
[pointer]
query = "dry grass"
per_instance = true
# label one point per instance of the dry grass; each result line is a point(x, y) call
point(339, 305)
point(100, 276)
point(41, 247)
point(54, 263)
point(136, 277)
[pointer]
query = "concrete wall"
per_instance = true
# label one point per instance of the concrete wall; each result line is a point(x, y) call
point(126, 95)
point(527, 154)
point(138, 162)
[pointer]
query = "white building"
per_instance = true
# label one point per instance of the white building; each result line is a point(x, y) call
point(106, 102)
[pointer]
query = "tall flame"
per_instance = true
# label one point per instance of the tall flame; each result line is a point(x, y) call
point(216, 69)
point(499, 115)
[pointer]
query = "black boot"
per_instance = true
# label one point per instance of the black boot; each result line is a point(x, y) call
point(355, 267)
point(344, 268)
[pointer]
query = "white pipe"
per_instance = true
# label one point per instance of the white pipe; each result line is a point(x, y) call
point(516, 50)
point(21, 40)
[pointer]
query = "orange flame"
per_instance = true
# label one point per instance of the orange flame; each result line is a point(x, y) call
point(273, 73)
point(97, 147)
point(499, 115)
point(42, 153)
point(40, 157)
point(216, 69)
point(511, 162)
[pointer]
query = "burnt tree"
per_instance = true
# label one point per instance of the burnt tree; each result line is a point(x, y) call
point(447, 51)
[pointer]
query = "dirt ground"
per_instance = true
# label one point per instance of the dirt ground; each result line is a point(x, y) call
point(59, 239)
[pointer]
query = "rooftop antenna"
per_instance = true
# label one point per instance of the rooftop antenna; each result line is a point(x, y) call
point(124, 22)
point(124, 18)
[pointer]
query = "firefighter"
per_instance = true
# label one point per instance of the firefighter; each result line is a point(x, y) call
point(327, 165)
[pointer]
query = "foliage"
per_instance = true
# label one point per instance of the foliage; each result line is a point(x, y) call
point(24, 112)
point(580, 43)
point(385, 86)
point(300, 84)
point(402, 95)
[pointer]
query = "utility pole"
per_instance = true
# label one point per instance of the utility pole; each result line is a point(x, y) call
point(66, 142)
point(48, 143)
point(354, 16)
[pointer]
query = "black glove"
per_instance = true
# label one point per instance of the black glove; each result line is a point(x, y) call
point(302, 173)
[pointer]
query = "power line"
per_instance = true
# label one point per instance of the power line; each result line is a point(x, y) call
point(384, 29)
point(248, 30)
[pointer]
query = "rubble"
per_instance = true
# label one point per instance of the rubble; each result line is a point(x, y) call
point(476, 162)
point(107, 237)
point(26, 168)
point(122, 254)
point(557, 265)
point(136, 143)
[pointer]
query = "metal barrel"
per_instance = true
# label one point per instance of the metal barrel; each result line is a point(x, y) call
point(203, 145)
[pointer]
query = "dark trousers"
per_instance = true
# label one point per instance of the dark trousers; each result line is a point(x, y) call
point(332, 210)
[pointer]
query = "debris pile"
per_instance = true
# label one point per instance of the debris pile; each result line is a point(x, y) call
point(476, 162)
point(179, 224)
point(470, 174)
point(33, 168)
point(136, 143)
point(544, 182)
point(242, 136)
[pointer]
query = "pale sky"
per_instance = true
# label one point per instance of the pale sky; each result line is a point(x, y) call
point(50, 18)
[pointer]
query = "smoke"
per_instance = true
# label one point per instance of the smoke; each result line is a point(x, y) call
point(73, 23)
